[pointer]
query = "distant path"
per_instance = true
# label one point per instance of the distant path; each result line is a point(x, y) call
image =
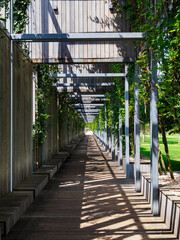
point(89, 199)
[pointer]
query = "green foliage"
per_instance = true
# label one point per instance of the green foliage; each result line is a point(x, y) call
point(44, 88)
point(67, 113)
point(161, 22)
point(3, 4)
point(174, 150)
point(20, 13)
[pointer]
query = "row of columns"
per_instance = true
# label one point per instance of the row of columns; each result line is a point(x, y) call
point(109, 141)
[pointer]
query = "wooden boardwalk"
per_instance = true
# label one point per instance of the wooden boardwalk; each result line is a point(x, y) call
point(89, 198)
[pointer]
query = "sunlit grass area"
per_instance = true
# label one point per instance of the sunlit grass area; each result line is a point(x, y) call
point(174, 150)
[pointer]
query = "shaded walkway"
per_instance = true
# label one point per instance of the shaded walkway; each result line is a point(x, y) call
point(89, 198)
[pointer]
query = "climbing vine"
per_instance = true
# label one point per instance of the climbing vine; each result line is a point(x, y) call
point(20, 14)
point(160, 20)
point(44, 89)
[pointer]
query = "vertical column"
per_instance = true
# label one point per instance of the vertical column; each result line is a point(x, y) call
point(116, 145)
point(127, 123)
point(30, 27)
point(105, 132)
point(112, 141)
point(102, 136)
point(120, 156)
point(99, 130)
point(107, 138)
point(154, 137)
point(137, 132)
point(12, 90)
point(8, 20)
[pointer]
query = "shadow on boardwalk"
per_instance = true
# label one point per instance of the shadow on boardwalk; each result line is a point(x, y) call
point(89, 198)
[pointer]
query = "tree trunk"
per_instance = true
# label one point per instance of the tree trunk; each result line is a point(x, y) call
point(159, 166)
point(166, 146)
point(161, 158)
point(143, 126)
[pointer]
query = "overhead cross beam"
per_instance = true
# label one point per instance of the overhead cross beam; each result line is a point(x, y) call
point(88, 104)
point(83, 84)
point(89, 99)
point(83, 60)
point(77, 37)
point(88, 95)
point(84, 90)
point(87, 110)
point(91, 105)
point(88, 75)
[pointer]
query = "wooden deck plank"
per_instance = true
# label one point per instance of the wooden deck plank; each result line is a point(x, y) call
point(89, 198)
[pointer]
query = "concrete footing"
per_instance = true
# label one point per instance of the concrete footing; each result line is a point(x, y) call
point(169, 205)
point(34, 183)
point(169, 202)
point(12, 206)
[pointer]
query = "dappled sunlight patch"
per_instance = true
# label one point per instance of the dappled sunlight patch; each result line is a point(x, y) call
point(88, 206)
point(105, 220)
point(126, 224)
point(69, 184)
point(89, 133)
point(134, 237)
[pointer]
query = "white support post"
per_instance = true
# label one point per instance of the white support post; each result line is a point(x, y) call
point(105, 132)
point(154, 137)
point(127, 124)
point(120, 155)
point(137, 132)
point(8, 20)
point(102, 137)
point(116, 146)
point(107, 138)
point(30, 27)
point(112, 142)
point(99, 132)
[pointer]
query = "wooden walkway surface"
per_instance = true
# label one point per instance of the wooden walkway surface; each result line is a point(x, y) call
point(89, 198)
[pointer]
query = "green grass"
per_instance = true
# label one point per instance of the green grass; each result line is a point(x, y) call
point(174, 150)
